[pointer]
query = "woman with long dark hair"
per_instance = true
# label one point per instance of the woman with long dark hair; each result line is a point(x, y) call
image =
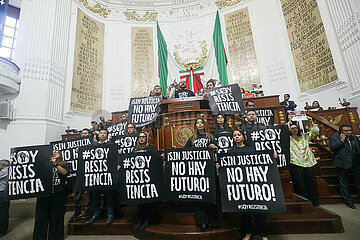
point(221, 125)
point(302, 161)
point(207, 215)
point(49, 216)
point(240, 146)
point(145, 211)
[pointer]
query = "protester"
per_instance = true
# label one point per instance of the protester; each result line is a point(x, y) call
point(109, 194)
point(250, 104)
point(211, 83)
point(183, 92)
point(316, 106)
point(240, 146)
point(130, 129)
point(4, 203)
point(221, 125)
point(93, 123)
point(242, 91)
point(302, 161)
point(95, 132)
point(207, 215)
point(346, 147)
point(102, 122)
point(157, 92)
point(49, 216)
point(250, 121)
point(78, 197)
point(145, 211)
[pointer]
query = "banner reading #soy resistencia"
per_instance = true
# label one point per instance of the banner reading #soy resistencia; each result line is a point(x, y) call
point(30, 172)
point(250, 182)
point(190, 175)
point(141, 178)
point(272, 138)
point(97, 167)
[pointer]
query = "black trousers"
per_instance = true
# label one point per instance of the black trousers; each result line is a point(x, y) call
point(260, 222)
point(109, 198)
point(78, 197)
point(145, 213)
point(4, 213)
point(49, 217)
point(207, 213)
point(344, 181)
point(304, 184)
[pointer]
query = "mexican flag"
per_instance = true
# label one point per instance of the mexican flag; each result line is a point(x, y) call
point(189, 41)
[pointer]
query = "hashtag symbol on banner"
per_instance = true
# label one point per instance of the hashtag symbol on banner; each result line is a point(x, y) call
point(86, 154)
point(255, 136)
point(109, 129)
point(126, 163)
point(117, 141)
point(212, 93)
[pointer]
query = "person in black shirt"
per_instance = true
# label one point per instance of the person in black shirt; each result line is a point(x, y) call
point(250, 121)
point(289, 105)
point(157, 92)
point(221, 125)
point(49, 216)
point(206, 214)
point(109, 194)
point(145, 211)
point(240, 146)
point(183, 92)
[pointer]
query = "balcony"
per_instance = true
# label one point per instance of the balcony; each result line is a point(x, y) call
point(9, 77)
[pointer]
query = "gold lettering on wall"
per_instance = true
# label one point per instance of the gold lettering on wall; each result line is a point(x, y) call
point(309, 45)
point(87, 83)
point(242, 54)
point(142, 61)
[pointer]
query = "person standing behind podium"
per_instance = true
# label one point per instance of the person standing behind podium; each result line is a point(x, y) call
point(109, 194)
point(50, 211)
point(206, 214)
point(346, 149)
point(183, 92)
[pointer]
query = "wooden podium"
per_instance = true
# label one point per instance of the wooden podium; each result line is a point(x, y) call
point(173, 128)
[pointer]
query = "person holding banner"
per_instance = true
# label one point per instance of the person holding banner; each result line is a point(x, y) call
point(251, 121)
point(207, 216)
point(221, 125)
point(109, 194)
point(78, 195)
point(240, 145)
point(50, 211)
point(302, 161)
point(4, 203)
point(145, 211)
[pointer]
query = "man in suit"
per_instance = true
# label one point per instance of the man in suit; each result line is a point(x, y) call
point(346, 149)
point(289, 105)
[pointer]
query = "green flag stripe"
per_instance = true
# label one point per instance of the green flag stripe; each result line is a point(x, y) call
point(219, 52)
point(163, 56)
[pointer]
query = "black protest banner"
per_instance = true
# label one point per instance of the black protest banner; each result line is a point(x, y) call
point(224, 141)
point(97, 168)
point(250, 182)
point(265, 116)
point(143, 111)
point(225, 100)
point(116, 129)
point(126, 143)
point(30, 172)
point(273, 138)
point(190, 175)
point(69, 150)
point(141, 178)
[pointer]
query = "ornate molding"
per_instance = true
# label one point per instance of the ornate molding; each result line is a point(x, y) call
point(97, 8)
point(134, 16)
point(226, 3)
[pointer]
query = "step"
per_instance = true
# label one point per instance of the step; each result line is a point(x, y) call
point(328, 170)
point(122, 224)
point(335, 189)
point(325, 162)
point(185, 232)
point(331, 179)
point(335, 199)
point(23, 208)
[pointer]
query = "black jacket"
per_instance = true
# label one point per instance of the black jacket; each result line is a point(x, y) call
point(342, 152)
